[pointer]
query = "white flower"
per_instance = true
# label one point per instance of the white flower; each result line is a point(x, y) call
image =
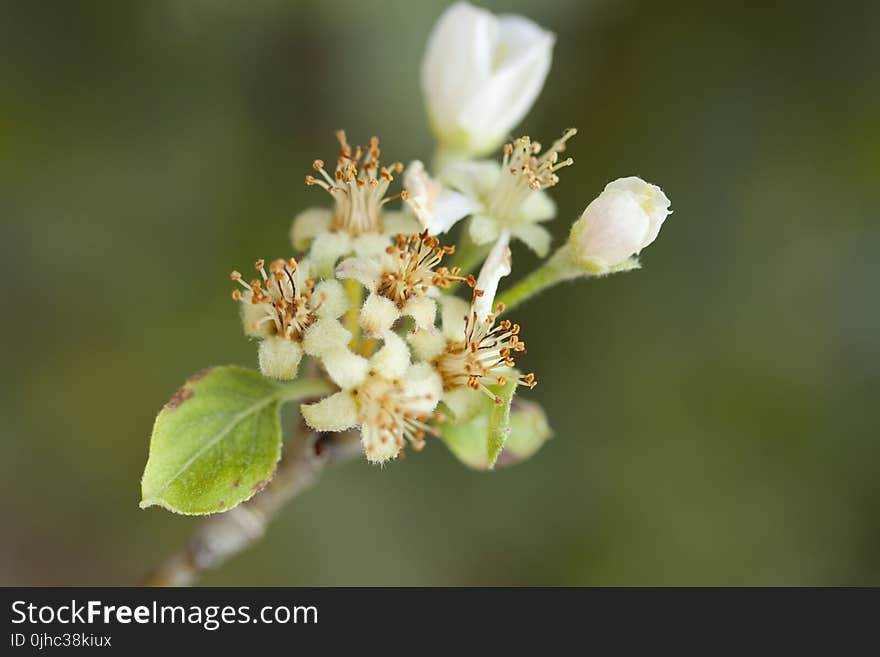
point(624, 219)
point(387, 397)
point(358, 186)
point(328, 247)
point(281, 307)
point(437, 208)
point(358, 222)
point(471, 352)
point(401, 281)
point(307, 225)
point(480, 76)
point(510, 196)
point(313, 223)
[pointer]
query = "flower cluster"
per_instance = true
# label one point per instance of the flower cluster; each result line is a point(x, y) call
point(410, 328)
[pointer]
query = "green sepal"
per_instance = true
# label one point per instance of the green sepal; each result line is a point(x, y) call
point(499, 421)
point(469, 441)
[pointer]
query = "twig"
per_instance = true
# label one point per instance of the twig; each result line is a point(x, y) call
point(225, 535)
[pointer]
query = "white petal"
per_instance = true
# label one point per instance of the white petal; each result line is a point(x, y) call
point(332, 299)
point(497, 265)
point(483, 229)
point(526, 52)
point(458, 59)
point(422, 309)
point(392, 359)
point(337, 412)
point(463, 402)
point(307, 225)
point(535, 236)
point(423, 387)
point(387, 262)
point(396, 223)
point(481, 74)
point(438, 209)
point(450, 208)
point(370, 245)
point(427, 344)
point(327, 249)
point(475, 180)
point(377, 315)
point(252, 315)
point(652, 199)
point(279, 358)
point(365, 271)
point(453, 314)
point(378, 445)
point(538, 206)
point(347, 369)
point(613, 227)
point(325, 335)
point(420, 188)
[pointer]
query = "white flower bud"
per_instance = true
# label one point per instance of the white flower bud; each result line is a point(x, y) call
point(480, 76)
point(279, 358)
point(624, 219)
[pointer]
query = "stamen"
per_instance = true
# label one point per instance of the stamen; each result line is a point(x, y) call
point(528, 171)
point(387, 419)
point(485, 355)
point(358, 186)
point(417, 266)
point(287, 304)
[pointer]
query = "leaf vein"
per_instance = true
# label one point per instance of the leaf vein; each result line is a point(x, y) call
point(234, 422)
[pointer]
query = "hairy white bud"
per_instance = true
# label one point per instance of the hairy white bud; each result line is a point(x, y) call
point(624, 219)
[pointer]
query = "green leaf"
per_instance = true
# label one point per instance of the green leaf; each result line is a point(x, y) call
point(499, 422)
point(217, 441)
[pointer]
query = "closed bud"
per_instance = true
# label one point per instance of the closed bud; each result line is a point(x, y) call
point(624, 219)
point(480, 76)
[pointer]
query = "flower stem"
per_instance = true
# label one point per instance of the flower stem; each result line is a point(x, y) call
point(225, 535)
point(304, 389)
point(561, 266)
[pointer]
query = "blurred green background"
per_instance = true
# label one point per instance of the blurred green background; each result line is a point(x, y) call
point(714, 412)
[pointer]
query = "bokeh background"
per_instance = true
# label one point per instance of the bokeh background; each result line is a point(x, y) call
point(715, 413)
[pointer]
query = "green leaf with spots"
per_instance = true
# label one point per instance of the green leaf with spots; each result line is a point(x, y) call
point(217, 441)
